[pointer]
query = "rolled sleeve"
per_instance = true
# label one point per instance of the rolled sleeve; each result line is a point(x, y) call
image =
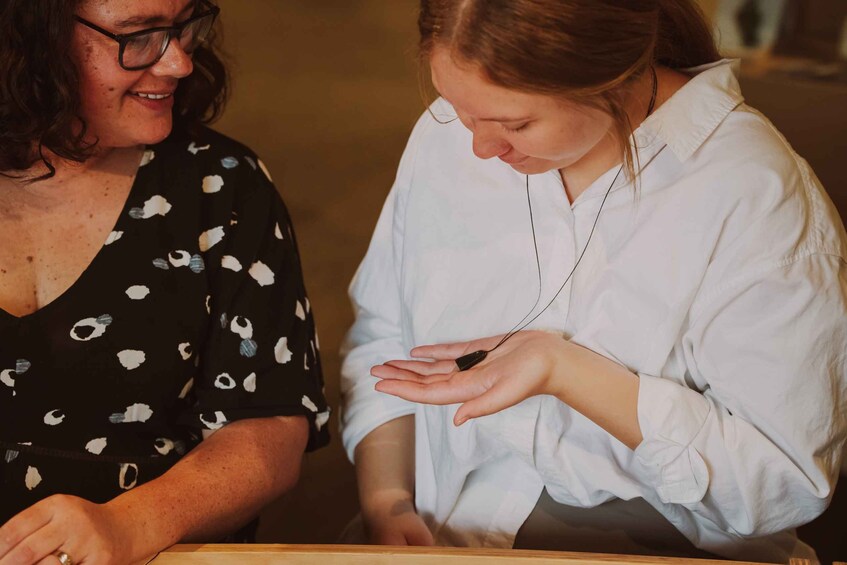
point(373, 339)
point(377, 334)
point(670, 417)
point(757, 451)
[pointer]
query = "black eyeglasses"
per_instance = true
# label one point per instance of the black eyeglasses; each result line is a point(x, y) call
point(143, 49)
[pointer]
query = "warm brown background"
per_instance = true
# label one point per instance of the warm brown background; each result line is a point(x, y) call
point(326, 91)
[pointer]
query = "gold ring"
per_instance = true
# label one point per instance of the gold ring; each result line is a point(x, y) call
point(64, 558)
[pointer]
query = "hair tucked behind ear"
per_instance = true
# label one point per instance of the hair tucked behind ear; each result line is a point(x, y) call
point(587, 51)
point(39, 87)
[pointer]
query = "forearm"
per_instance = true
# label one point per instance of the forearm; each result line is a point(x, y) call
point(600, 389)
point(385, 464)
point(217, 487)
point(695, 444)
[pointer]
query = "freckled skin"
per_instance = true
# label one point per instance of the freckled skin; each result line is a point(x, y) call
point(225, 480)
point(81, 202)
point(114, 116)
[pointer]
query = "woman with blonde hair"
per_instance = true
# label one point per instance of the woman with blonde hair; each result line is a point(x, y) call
point(664, 277)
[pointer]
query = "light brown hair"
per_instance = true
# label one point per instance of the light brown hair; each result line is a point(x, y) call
point(587, 51)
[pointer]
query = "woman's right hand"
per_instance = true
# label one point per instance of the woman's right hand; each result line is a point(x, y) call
point(385, 469)
point(391, 519)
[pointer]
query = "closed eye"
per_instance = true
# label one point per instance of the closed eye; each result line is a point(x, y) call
point(515, 129)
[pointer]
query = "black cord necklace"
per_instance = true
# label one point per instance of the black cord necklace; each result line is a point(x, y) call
point(469, 360)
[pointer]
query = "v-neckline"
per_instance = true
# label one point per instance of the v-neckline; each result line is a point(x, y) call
point(119, 223)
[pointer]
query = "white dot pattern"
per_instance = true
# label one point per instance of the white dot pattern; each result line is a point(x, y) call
point(189, 317)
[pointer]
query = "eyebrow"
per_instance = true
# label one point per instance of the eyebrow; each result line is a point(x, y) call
point(151, 20)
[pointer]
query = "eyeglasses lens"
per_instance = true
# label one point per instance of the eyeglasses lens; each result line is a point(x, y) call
point(144, 50)
point(195, 33)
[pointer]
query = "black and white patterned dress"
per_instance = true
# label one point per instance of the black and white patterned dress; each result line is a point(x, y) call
point(193, 314)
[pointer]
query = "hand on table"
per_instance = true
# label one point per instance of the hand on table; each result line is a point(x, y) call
point(394, 521)
point(87, 532)
point(522, 367)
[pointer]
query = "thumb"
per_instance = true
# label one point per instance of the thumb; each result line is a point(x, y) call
point(419, 535)
point(495, 399)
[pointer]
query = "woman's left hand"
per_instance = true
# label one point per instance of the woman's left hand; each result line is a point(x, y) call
point(87, 532)
point(525, 365)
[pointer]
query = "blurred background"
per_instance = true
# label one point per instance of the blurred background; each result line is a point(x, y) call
point(327, 91)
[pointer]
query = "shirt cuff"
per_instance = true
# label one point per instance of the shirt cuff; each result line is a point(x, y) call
point(671, 416)
point(365, 410)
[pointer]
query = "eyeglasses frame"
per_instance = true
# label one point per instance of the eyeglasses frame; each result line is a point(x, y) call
point(173, 31)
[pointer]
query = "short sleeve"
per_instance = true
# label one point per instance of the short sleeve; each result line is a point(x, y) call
point(261, 357)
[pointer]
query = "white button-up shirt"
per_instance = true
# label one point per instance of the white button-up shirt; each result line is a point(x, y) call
point(720, 281)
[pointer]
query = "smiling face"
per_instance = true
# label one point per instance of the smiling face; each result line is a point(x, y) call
point(128, 108)
point(533, 133)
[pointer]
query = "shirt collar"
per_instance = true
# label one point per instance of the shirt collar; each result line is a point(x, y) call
point(692, 113)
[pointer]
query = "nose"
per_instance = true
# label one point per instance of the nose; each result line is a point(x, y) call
point(174, 63)
point(487, 141)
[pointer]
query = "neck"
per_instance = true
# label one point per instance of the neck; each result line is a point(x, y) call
point(579, 176)
point(607, 154)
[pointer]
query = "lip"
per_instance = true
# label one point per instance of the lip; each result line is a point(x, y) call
point(514, 162)
point(161, 105)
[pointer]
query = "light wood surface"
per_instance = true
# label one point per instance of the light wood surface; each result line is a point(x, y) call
point(381, 555)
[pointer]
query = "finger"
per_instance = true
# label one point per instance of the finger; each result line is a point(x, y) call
point(37, 547)
point(389, 538)
point(499, 397)
point(22, 526)
point(393, 373)
point(450, 351)
point(419, 535)
point(445, 392)
point(425, 367)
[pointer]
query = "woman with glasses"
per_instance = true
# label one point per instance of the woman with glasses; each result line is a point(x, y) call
point(159, 372)
point(591, 176)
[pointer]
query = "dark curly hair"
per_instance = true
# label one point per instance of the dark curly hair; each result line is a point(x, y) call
point(39, 86)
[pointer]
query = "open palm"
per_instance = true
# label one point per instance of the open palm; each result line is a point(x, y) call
point(520, 368)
